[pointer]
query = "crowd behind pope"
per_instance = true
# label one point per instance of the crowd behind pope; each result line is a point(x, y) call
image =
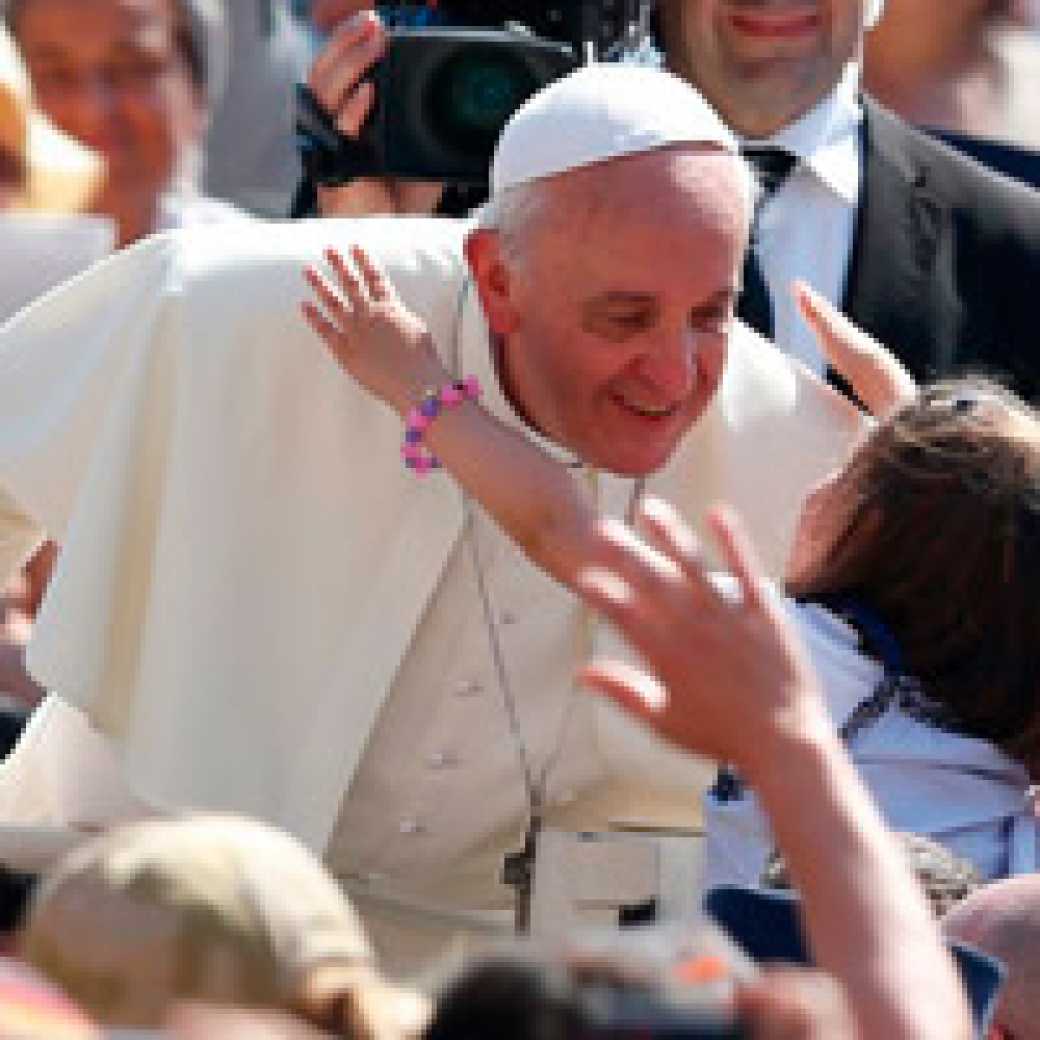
point(606, 611)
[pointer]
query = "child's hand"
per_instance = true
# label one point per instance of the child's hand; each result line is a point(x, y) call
point(371, 333)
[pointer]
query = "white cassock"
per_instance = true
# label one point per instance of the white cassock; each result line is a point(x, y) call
point(257, 608)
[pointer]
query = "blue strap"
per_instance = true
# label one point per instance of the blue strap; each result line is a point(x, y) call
point(878, 638)
point(879, 642)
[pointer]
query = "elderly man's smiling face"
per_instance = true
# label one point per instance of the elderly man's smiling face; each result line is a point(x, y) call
point(615, 304)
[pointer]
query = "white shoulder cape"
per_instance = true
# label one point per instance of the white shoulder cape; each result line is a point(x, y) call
point(244, 557)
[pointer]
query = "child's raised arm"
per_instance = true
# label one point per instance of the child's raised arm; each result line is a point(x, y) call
point(389, 351)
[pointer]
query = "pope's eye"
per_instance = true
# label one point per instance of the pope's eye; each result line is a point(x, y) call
point(714, 320)
point(629, 321)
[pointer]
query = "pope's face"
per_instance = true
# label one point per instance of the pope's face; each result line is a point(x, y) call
point(617, 314)
point(762, 63)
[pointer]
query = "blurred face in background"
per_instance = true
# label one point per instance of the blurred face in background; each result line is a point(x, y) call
point(942, 32)
point(12, 128)
point(12, 178)
point(762, 63)
point(920, 49)
point(111, 74)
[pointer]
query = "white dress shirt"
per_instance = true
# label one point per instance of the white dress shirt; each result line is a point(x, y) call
point(806, 228)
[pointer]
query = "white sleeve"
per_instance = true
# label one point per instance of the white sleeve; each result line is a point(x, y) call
point(63, 771)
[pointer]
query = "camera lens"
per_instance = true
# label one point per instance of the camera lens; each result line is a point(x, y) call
point(474, 93)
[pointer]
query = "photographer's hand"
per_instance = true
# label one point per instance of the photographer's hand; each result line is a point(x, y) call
point(337, 81)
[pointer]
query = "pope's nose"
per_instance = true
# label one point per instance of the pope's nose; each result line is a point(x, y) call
point(669, 371)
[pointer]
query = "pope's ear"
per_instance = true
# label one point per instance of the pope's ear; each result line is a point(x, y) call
point(492, 277)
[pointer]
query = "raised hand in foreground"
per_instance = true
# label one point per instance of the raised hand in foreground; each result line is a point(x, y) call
point(729, 676)
point(731, 680)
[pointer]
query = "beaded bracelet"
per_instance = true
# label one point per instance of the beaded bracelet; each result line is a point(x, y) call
point(417, 457)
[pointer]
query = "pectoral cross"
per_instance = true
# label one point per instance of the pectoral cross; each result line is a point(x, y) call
point(518, 874)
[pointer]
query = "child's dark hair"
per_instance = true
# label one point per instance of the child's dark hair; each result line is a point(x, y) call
point(944, 543)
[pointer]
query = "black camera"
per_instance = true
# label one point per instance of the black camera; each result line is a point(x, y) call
point(453, 74)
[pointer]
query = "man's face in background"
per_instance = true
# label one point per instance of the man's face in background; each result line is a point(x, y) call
point(762, 63)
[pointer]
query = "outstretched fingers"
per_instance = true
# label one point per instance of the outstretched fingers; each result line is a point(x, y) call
point(740, 557)
point(331, 319)
point(328, 332)
point(377, 285)
point(661, 525)
point(350, 283)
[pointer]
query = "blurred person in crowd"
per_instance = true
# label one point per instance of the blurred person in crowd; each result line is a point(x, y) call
point(952, 65)
point(42, 170)
point(945, 877)
point(574, 996)
point(207, 1022)
point(32, 1007)
point(921, 248)
point(251, 155)
point(131, 79)
point(1003, 920)
point(945, 493)
point(215, 909)
point(348, 687)
point(21, 602)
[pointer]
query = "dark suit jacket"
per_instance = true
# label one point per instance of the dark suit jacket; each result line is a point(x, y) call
point(945, 266)
point(1022, 164)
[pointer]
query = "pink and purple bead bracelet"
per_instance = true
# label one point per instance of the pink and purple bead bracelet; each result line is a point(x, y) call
point(417, 457)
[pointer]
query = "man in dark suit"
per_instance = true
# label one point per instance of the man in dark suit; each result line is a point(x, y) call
point(934, 255)
point(946, 262)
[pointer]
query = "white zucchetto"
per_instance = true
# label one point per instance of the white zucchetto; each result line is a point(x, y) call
point(602, 112)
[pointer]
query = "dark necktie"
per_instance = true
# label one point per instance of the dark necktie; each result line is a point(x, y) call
point(772, 166)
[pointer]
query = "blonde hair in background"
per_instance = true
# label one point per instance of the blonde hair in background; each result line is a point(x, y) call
point(216, 908)
point(60, 175)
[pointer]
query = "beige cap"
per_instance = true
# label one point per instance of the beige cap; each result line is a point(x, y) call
point(61, 174)
point(216, 908)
